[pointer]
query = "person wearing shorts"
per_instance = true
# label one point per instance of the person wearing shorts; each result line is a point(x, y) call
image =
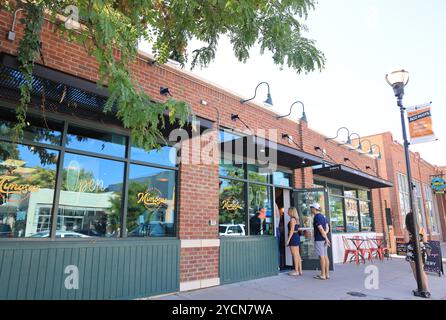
point(321, 241)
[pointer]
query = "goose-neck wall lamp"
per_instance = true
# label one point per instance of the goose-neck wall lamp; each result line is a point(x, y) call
point(349, 141)
point(268, 102)
point(304, 116)
point(359, 140)
point(372, 151)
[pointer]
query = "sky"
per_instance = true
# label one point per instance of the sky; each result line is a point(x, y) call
point(362, 41)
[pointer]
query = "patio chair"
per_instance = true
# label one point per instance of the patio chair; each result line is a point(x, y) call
point(349, 250)
point(371, 249)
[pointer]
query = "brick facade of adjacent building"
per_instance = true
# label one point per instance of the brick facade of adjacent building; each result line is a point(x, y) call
point(422, 171)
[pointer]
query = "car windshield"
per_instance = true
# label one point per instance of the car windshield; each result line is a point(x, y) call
point(222, 229)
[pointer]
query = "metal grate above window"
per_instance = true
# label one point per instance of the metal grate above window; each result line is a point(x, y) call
point(50, 93)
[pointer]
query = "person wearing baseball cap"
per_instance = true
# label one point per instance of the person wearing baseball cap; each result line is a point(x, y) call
point(321, 240)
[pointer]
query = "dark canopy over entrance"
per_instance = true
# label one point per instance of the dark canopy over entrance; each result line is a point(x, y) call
point(259, 149)
point(349, 175)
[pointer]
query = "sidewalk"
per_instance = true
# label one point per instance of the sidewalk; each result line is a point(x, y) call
point(395, 283)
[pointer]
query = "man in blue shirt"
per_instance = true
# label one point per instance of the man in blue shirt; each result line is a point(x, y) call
point(321, 241)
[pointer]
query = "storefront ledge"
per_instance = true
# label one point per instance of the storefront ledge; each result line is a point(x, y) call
point(200, 243)
point(199, 284)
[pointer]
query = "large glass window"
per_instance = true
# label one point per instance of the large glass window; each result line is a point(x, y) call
point(164, 156)
point(352, 215)
point(27, 183)
point(256, 174)
point(420, 204)
point(151, 202)
point(283, 179)
point(403, 190)
point(366, 216)
point(337, 214)
point(36, 130)
point(97, 142)
point(229, 168)
point(260, 210)
point(232, 208)
point(91, 197)
point(92, 180)
point(431, 210)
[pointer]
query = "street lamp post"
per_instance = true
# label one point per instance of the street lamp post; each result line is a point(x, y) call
point(398, 81)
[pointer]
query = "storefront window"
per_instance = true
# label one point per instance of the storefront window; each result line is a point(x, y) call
point(403, 189)
point(431, 210)
point(90, 197)
point(27, 183)
point(96, 142)
point(232, 208)
point(151, 202)
point(260, 211)
point(165, 156)
point(351, 212)
point(335, 190)
point(337, 214)
point(420, 205)
point(256, 174)
point(282, 179)
point(366, 216)
point(46, 132)
point(351, 193)
point(364, 195)
point(228, 168)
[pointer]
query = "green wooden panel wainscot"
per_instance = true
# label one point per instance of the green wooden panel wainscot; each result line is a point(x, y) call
point(88, 270)
point(247, 258)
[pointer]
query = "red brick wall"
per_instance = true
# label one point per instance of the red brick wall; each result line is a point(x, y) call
point(199, 263)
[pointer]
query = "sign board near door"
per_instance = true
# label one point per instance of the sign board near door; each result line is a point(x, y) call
point(434, 261)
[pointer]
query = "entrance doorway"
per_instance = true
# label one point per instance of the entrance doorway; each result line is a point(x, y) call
point(282, 204)
point(302, 199)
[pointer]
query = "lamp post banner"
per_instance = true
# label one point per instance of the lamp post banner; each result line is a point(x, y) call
point(420, 123)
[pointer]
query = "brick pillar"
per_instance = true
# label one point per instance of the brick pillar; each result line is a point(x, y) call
point(198, 219)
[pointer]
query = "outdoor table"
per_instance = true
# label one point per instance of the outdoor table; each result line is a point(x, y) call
point(379, 243)
point(358, 242)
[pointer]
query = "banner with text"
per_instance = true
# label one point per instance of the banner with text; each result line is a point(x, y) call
point(420, 123)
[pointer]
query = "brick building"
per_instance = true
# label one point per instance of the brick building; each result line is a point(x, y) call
point(141, 223)
point(430, 207)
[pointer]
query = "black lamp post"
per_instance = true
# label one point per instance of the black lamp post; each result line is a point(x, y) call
point(304, 116)
point(398, 81)
point(268, 102)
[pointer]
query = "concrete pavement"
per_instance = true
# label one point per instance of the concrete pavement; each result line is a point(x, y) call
point(396, 282)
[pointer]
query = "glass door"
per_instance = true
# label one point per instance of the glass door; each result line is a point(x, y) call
point(302, 200)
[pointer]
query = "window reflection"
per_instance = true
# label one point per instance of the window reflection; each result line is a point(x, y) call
point(41, 131)
point(90, 197)
point(232, 208)
point(256, 174)
point(260, 212)
point(27, 182)
point(282, 179)
point(165, 156)
point(336, 214)
point(229, 168)
point(97, 142)
point(151, 202)
point(366, 216)
point(351, 211)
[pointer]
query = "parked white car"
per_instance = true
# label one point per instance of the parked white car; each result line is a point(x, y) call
point(60, 234)
point(232, 230)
